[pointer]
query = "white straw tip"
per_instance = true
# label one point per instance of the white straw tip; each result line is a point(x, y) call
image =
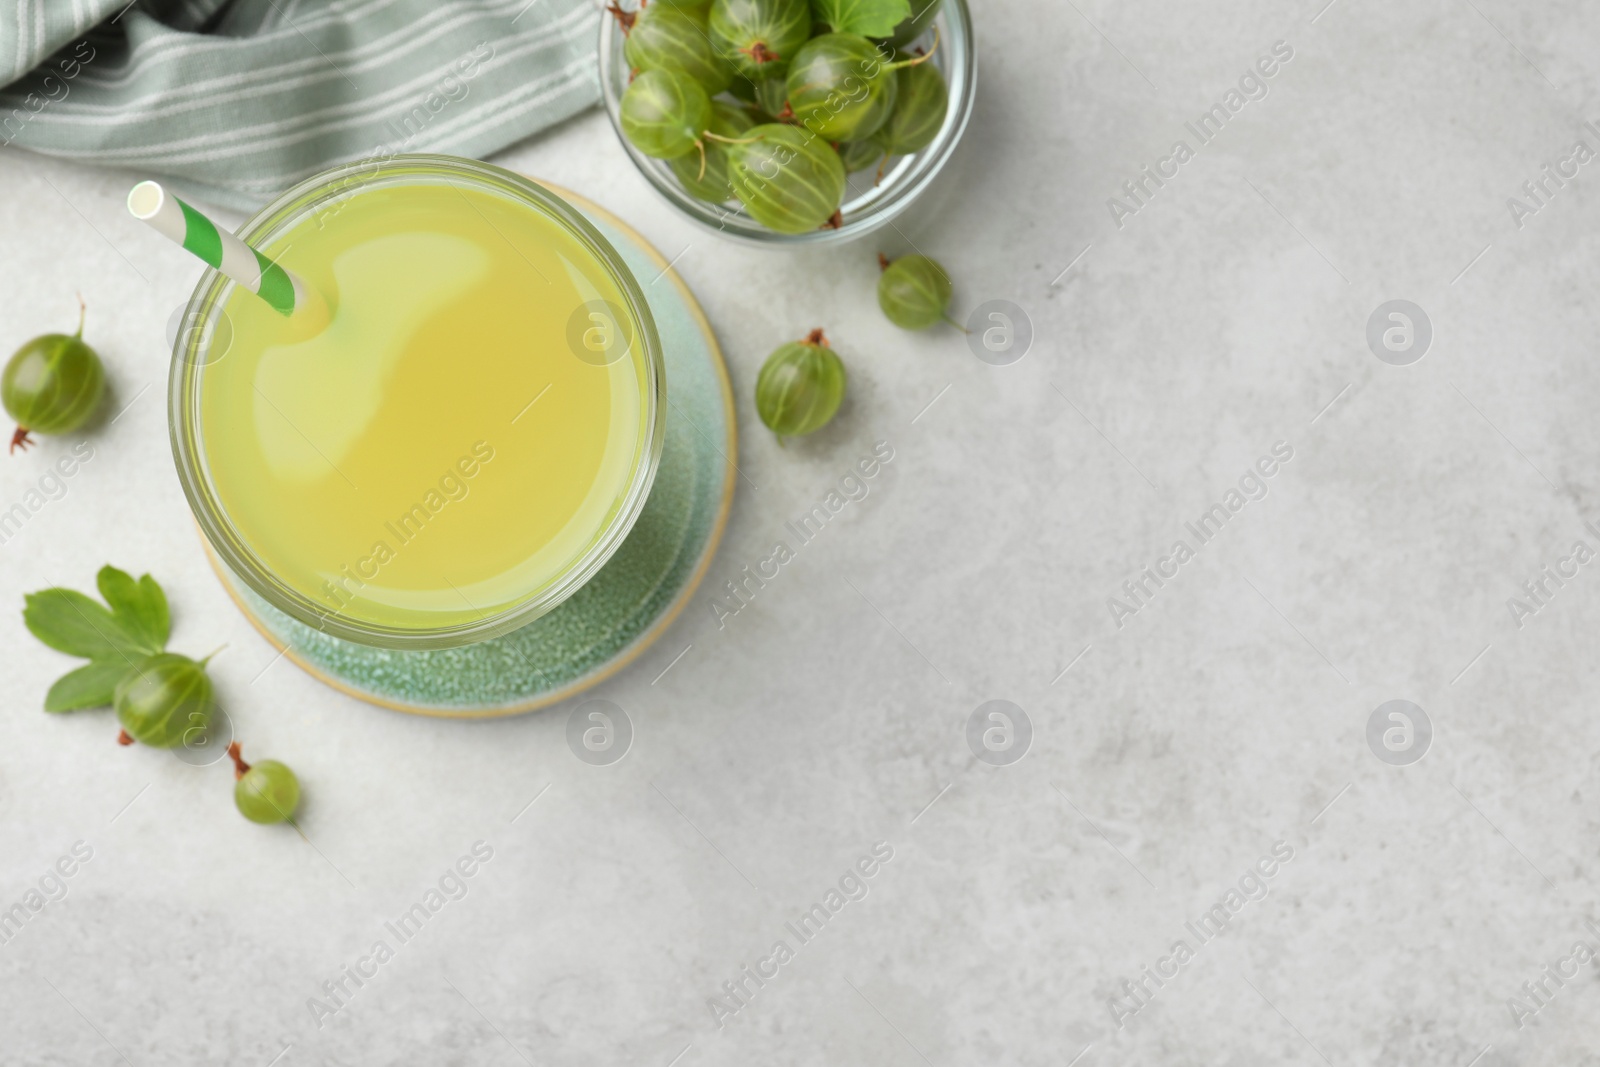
point(145, 200)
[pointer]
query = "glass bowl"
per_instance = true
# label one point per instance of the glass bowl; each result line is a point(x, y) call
point(867, 206)
point(205, 321)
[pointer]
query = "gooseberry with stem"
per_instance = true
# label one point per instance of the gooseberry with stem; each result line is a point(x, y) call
point(660, 37)
point(666, 115)
point(842, 87)
point(265, 791)
point(919, 110)
point(914, 292)
point(52, 384)
point(707, 179)
point(788, 179)
point(800, 387)
point(751, 34)
point(664, 112)
point(164, 699)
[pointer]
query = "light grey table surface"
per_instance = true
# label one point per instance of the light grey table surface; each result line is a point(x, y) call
point(1226, 718)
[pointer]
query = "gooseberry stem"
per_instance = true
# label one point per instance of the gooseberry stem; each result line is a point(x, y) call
point(920, 59)
point(759, 53)
point(625, 19)
point(956, 324)
point(213, 652)
point(83, 309)
point(717, 137)
point(816, 337)
point(240, 767)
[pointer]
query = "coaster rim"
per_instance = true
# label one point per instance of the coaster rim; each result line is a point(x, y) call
point(628, 655)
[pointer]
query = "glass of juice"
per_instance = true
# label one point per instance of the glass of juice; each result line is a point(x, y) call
point(458, 443)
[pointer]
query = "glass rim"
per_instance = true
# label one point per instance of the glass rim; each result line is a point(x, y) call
point(903, 183)
point(183, 411)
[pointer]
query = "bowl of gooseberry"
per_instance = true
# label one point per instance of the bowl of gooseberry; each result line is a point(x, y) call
point(779, 122)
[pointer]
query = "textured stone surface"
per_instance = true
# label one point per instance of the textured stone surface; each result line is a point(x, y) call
point(829, 714)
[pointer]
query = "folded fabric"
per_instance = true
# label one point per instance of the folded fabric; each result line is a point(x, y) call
point(239, 99)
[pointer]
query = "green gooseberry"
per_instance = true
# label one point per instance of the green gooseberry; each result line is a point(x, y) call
point(918, 113)
point(913, 291)
point(691, 7)
point(666, 38)
point(264, 792)
point(664, 112)
point(754, 33)
point(787, 179)
point(164, 700)
point(923, 12)
point(729, 122)
point(800, 387)
point(772, 92)
point(52, 384)
point(860, 155)
point(841, 87)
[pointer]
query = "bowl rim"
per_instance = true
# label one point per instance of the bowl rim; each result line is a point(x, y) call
point(907, 180)
point(212, 292)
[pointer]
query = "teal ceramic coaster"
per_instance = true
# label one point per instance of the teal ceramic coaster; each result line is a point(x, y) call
point(623, 608)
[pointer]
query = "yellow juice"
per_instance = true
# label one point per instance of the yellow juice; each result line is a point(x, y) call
point(438, 453)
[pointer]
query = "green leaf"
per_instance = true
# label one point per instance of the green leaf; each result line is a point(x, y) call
point(73, 623)
point(869, 18)
point(93, 685)
point(140, 606)
point(156, 610)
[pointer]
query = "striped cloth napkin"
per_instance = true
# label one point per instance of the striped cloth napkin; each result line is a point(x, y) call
point(236, 100)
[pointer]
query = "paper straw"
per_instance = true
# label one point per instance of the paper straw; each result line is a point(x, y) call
point(172, 218)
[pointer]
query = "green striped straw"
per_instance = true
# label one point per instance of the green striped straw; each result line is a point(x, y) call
point(172, 218)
